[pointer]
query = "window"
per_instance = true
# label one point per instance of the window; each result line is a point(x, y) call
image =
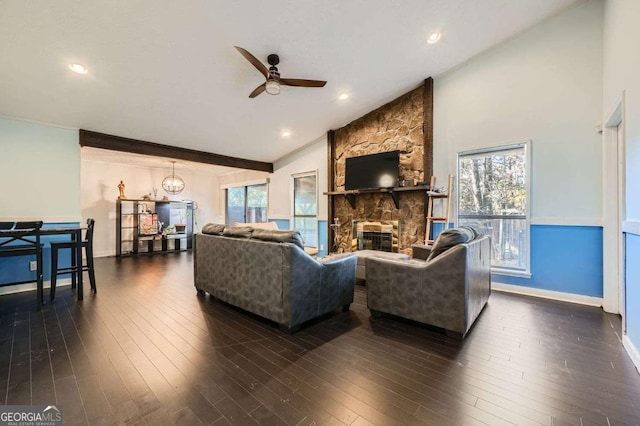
point(493, 194)
point(305, 207)
point(247, 204)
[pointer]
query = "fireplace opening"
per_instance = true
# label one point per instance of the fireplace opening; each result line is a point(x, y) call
point(375, 235)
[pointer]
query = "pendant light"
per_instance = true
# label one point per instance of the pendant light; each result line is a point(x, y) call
point(173, 184)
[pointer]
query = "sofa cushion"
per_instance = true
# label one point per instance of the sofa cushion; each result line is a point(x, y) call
point(238, 232)
point(449, 238)
point(213, 229)
point(278, 236)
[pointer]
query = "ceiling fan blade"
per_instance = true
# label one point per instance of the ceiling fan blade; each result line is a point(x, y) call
point(254, 61)
point(302, 83)
point(258, 90)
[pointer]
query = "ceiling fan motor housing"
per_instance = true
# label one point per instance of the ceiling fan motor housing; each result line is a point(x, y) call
point(273, 59)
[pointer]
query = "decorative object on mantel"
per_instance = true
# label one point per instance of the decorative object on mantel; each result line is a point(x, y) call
point(121, 189)
point(173, 184)
point(155, 193)
point(147, 197)
point(165, 198)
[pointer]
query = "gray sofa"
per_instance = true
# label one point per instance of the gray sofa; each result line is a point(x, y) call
point(448, 290)
point(269, 274)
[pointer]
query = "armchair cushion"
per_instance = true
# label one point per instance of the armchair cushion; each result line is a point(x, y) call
point(450, 238)
point(475, 230)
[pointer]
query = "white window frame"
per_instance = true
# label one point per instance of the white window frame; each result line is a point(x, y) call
point(293, 202)
point(526, 144)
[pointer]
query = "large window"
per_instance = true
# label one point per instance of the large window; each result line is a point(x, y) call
point(247, 204)
point(305, 207)
point(493, 194)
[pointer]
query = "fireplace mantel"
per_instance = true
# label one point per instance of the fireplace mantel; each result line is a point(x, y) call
point(394, 192)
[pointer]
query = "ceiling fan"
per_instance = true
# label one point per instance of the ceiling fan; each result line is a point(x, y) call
point(272, 85)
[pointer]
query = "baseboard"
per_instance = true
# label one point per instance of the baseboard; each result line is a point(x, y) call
point(21, 288)
point(548, 294)
point(106, 253)
point(632, 351)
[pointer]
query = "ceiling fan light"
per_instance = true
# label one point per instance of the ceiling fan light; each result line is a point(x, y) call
point(272, 87)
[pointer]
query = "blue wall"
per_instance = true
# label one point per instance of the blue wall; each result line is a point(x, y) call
point(632, 283)
point(14, 269)
point(322, 238)
point(322, 233)
point(563, 258)
point(282, 223)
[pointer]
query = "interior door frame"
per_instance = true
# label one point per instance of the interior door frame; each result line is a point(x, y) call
point(614, 209)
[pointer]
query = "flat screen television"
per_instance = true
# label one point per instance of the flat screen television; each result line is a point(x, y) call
point(372, 171)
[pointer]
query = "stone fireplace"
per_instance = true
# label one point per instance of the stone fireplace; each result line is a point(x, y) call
point(379, 235)
point(406, 125)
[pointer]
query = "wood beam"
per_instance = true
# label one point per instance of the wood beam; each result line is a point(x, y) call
point(427, 131)
point(331, 146)
point(427, 128)
point(118, 143)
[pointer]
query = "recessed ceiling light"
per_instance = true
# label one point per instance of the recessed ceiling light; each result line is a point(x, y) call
point(433, 37)
point(343, 96)
point(285, 133)
point(78, 68)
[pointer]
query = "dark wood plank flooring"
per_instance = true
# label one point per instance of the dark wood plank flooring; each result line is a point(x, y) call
point(148, 350)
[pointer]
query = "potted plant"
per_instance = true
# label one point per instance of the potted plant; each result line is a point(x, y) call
point(181, 228)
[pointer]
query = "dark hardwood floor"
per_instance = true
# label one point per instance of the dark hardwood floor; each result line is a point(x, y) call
point(148, 350)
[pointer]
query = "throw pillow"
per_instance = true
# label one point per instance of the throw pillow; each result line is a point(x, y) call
point(449, 238)
point(238, 232)
point(213, 229)
point(278, 236)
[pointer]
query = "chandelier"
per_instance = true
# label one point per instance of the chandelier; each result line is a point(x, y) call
point(173, 184)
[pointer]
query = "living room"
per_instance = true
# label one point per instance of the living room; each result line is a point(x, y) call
point(561, 84)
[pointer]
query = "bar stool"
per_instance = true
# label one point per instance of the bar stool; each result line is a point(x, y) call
point(87, 244)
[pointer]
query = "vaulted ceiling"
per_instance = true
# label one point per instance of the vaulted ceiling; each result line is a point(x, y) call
point(167, 72)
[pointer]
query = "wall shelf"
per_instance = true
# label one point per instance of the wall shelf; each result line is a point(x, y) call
point(394, 192)
point(133, 235)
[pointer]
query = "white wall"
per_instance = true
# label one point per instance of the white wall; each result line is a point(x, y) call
point(100, 191)
point(310, 158)
point(622, 73)
point(544, 85)
point(40, 168)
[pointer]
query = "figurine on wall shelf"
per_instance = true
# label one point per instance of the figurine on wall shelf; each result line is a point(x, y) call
point(121, 189)
point(147, 197)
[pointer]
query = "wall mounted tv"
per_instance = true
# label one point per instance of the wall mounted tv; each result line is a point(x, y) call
point(372, 171)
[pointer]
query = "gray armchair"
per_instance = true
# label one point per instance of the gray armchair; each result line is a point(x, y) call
point(448, 291)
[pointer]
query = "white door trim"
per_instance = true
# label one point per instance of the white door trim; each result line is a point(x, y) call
point(613, 201)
